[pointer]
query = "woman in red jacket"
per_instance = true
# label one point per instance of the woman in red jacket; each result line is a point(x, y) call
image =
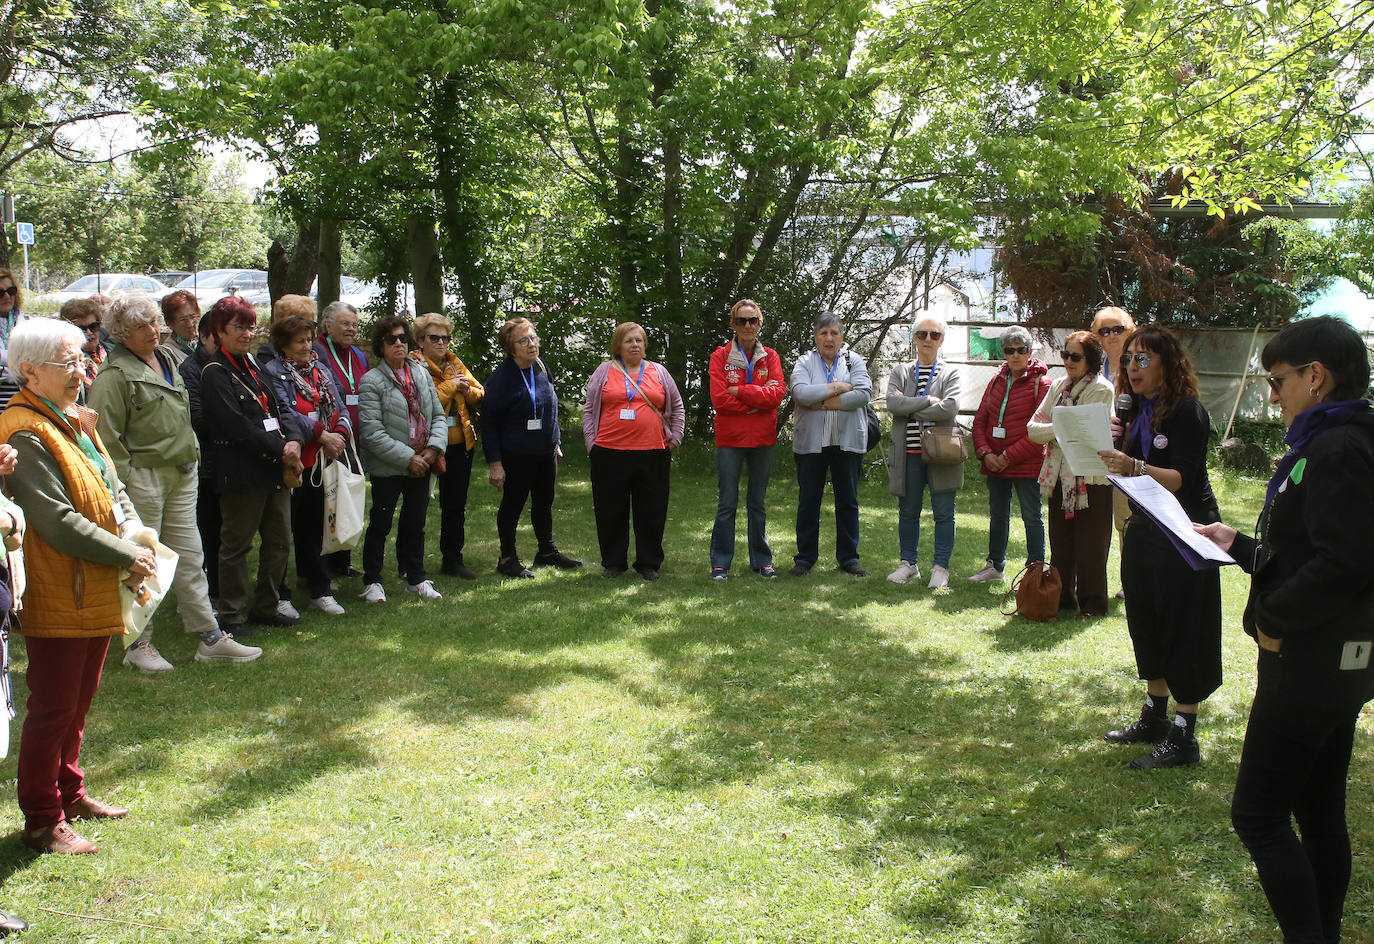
point(1009, 458)
point(747, 385)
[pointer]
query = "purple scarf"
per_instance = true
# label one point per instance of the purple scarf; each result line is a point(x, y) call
point(1141, 433)
point(1305, 428)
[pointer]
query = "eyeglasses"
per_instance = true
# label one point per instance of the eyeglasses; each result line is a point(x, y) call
point(527, 340)
point(1276, 380)
point(394, 339)
point(928, 335)
point(1109, 330)
point(1070, 356)
point(1009, 351)
point(1141, 359)
point(749, 321)
point(244, 327)
point(70, 367)
point(438, 338)
point(12, 291)
point(92, 328)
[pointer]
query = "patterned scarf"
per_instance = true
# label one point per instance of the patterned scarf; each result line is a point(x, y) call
point(1055, 469)
point(91, 364)
point(313, 387)
point(415, 414)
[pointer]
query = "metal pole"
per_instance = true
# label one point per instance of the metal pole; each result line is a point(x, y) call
point(26, 268)
point(1244, 376)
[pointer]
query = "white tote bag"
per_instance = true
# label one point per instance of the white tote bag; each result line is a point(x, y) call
point(138, 606)
point(345, 495)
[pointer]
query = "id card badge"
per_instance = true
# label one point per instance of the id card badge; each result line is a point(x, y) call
point(313, 418)
point(271, 424)
point(627, 414)
point(350, 399)
point(534, 424)
point(452, 421)
point(118, 511)
point(999, 432)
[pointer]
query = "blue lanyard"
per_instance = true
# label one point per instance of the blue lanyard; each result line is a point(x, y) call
point(529, 386)
point(629, 391)
point(829, 372)
point(748, 364)
point(934, 369)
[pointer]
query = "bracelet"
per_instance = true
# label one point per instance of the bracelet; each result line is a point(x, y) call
point(1139, 467)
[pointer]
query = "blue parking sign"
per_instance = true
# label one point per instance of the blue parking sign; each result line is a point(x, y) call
point(23, 233)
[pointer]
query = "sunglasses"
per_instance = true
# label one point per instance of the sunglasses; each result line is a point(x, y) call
point(12, 291)
point(1142, 360)
point(1070, 356)
point(439, 338)
point(929, 335)
point(92, 328)
point(749, 321)
point(1110, 330)
point(1276, 380)
point(394, 339)
point(1009, 351)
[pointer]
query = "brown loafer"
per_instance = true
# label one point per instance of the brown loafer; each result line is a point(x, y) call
point(86, 808)
point(59, 838)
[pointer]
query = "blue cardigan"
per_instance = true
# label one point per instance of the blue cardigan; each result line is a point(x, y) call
point(506, 412)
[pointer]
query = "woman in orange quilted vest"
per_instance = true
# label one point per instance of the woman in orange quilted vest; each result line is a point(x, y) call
point(77, 553)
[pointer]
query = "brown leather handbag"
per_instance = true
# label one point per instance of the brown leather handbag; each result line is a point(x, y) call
point(943, 445)
point(1036, 590)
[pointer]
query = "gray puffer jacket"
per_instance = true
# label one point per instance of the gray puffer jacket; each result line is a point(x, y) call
point(385, 435)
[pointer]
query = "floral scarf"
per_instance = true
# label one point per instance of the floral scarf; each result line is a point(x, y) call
point(419, 423)
point(312, 387)
point(1055, 469)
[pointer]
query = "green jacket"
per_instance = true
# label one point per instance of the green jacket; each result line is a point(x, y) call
point(145, 421)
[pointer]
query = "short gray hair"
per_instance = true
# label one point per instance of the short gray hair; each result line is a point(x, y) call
point(128, 312)
point(334, 310)
point(825, 321)
point(1015, 336)
point(37, 340)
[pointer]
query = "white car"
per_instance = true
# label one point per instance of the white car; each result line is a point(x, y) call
point(210, 285)
point(113, 284)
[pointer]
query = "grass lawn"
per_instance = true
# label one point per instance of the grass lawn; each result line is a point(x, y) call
point(572, 759)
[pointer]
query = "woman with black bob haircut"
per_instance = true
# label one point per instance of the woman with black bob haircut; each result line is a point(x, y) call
point(1172, 611)
point(1311, 610)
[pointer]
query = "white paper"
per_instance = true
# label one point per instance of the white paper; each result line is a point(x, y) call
point(1163, 508)
point(1082, 431)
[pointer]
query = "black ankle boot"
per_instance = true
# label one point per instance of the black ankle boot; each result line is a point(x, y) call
point(1149, 728)
point(1176, 750)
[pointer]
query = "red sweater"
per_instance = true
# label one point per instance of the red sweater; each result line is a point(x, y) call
point(750, 418)
point(1024, 456)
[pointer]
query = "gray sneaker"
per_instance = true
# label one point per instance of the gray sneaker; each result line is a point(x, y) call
point(989, 574)
point(228, 649)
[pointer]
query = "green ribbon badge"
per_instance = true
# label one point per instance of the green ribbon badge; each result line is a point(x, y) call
point(1298, 468)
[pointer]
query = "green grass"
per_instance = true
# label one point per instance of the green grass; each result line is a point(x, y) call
point(570, 759)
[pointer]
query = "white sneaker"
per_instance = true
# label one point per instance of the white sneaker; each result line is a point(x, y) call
point(228, 649)
point(284, 608)
point(989, 574)
point(424, 590)
point(373, 593)
point(939, 578)
point(142, 655)
point(327, 605)
point(905, 571)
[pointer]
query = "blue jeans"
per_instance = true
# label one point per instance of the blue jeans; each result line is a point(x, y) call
point(843, 468)
point(730, 462)
point(909, 515)
point(999, 519)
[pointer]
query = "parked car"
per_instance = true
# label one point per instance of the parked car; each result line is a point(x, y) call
point(113, 284)
point(210, 285)
point(169, 278)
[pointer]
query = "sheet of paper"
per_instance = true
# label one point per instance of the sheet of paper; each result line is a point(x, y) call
point(1161, 507)
point(1081, 431)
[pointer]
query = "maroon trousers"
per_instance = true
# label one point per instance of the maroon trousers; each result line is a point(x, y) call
point(63, 675)
point(1078, 549)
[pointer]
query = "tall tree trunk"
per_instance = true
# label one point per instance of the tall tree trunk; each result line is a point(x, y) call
point(330, 267)
point(622, 221)
point(292, 274)
point(426, 266)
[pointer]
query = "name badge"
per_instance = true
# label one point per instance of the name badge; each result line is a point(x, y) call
point(534, 424)
point(1355, 655)
point(627, 414)
point(271, 425)
point(999, 432)
point(452, 421)
point(350, 399)
point(313, 418)
point(118, 510)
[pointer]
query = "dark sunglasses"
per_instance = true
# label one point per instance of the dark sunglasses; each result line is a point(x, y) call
point(12, 291)
point(92, 328)
point(1142, 360)
point(1009, 351)
point(929, 335)
point(394, 339)
point(1276, 380)
point(441, 338)
point(1071, 356)
point(749, 321)
point(1110, 330)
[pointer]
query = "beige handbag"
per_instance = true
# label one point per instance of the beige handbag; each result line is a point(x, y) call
point(943, 445)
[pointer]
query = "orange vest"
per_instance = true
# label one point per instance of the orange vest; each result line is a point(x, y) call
point(67, 596)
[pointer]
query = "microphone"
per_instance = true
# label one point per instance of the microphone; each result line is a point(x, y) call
point(1125, 410)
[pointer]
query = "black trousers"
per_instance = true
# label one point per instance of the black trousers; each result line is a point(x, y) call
point(625, 483)
point(1294, 765)
point(307, 530)
point(453, 501)
point(209, 521)
point(413, 495)
point(528, 478)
